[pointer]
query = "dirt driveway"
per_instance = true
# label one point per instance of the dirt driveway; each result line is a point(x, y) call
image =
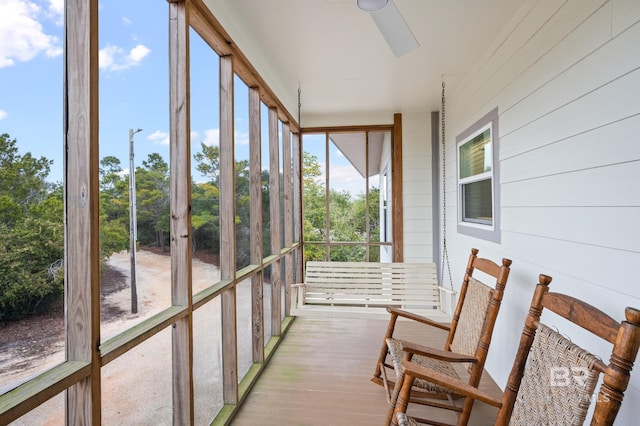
point(136, 388)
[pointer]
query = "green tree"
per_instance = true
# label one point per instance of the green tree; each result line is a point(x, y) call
point(313, 199)
point(152, 200)
point(204, 217)
point(31, 233)
point(348, 218)
point(208, 161)
point(114, 208)
point(22, 181)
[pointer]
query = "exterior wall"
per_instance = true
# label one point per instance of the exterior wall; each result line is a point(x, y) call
point(565, 77)
point(417, 190)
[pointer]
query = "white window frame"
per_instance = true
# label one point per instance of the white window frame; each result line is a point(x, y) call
point(476, 228)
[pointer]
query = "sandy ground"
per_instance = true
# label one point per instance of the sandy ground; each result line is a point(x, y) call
point(136, 387)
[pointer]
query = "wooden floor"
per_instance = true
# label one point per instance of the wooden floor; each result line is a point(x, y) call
point(320, 375)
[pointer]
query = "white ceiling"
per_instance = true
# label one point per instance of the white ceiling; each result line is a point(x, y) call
point(343, 65)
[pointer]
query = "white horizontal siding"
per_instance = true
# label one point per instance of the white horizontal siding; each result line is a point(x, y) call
point(625, 13)
point(417, 188)
point(546, 53)
point(594, 148)
point(565, 77)
point(583, 225)
point(609, 186)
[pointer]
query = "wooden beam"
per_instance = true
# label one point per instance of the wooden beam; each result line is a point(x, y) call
point(29, 395)
point(81, 199)
point(297, 205)
point(346, 129)
point(180, 220)
point(132, 337)
point(228, 233)
point(288, 213)
point(327, 197)
point(396, 190)
point(255, 178)
point(274, 209)
point(209, 28)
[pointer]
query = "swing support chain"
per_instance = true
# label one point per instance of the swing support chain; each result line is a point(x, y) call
point(445, 254)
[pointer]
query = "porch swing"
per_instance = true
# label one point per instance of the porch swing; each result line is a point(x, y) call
point(368, 289)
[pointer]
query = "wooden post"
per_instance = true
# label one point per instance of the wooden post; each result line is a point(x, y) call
point(81, 207)
point(228, 233)
point(288, 214)
point(133, 223)
point(396, 190)
point(180, 194)
point(297, 205)
point(274, 204)
point(255, 172)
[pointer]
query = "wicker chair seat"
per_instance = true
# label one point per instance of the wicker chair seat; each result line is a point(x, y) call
point(404, 420)
point(397, 355)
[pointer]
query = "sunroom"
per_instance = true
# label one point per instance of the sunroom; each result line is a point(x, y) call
point(507, 126)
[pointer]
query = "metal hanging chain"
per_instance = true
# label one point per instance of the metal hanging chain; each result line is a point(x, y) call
point(445, 253)
point(299, 105)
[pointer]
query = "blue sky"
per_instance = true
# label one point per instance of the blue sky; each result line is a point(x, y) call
point(133, 84)
point(133, 40)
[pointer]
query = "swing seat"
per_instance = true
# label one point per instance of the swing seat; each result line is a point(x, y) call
point(366, 289)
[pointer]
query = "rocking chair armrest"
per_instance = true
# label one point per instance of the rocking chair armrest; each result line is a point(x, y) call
point(417, 349)
point(416, 317)
point(457, 386)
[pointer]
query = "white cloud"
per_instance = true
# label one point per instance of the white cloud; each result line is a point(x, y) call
point(126, 21)
point(158, 137)
point(57, 7)
point(3, 114)
point(162, 138)
point(241, 138)
point(56, 11)
point(347, 178)
point(106, 56)
point(22, 36)
point(211, 137)
point(114, 58)
point(138, 53)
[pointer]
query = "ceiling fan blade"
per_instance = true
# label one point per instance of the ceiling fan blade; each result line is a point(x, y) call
point(395, 29)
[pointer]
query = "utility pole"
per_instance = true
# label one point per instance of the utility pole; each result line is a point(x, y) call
point(133, 222)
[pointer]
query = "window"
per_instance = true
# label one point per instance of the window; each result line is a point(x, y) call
point(478, 195)
point(346, 206)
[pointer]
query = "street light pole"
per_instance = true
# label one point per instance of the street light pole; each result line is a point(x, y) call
point(133, 222)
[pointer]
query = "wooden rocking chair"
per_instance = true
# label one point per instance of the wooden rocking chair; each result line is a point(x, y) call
point(552, 380)
point(467, 343)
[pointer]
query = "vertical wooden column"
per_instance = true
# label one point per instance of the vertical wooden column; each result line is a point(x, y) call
point(180, 221)
point(327, 197)
point(180, 195)
point(274, 203)
point(297, 205)
point(227, 233)
point(396, 190)
point(255, 178)
point(81, 207)
point(288, 214)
